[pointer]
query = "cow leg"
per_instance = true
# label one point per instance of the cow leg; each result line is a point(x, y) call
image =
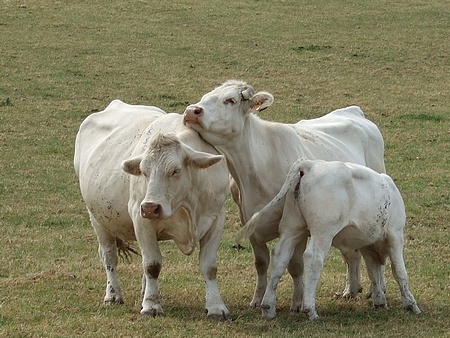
point(313, 258)
point(382, 281)
point(295, 269)
point(352, 259)
point(108, 254)
point(262, 259)
point(395, 249)
point(375, 270)
point(151, 265)
point(281, 256)
point(209, 245)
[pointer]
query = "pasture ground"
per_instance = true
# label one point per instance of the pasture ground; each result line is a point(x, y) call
point(62, 60)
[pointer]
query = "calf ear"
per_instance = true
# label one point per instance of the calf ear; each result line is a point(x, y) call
point(200, 159)
point(132, 165)
point(260, 101)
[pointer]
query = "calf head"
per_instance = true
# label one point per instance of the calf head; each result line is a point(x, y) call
point(168, 165)
point(221, 113)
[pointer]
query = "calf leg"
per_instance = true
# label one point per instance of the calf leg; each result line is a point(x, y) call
point(262, 259)
point(295, 269)
point(375, 269)
point(313, 258)
point(395, 248)
point(352, 260)
point(108, 254)
point(209, 245)
point(281, 256)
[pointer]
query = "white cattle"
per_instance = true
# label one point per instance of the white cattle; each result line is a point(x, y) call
point(259, 154)
point(341, 204)
point(169, 195)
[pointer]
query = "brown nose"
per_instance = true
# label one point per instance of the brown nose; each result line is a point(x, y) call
point(151, 210)
point(192, 113)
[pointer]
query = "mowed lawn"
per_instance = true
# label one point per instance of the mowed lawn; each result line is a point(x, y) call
point(62, 60)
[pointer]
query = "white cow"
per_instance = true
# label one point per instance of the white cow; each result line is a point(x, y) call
point(341, 204)
point(169, 195)
point(259, 154)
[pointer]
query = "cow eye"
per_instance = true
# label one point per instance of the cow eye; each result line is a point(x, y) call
point(229, 101)
point(176, 171)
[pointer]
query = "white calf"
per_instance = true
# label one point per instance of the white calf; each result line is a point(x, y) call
point(341, 204)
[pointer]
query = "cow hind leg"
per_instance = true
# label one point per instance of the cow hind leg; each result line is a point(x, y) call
point(109, 255)
point(352, 259)
point(295, 269)
point(262, 259)
point(375, 269)
point(313, 258)
point(281, 257)
point(395, 248)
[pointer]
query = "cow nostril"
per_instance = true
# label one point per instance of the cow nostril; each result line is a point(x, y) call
point(157, 210)
point(198, 111)
point(151, 210)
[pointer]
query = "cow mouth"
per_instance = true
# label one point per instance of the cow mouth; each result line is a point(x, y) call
point(191, 121)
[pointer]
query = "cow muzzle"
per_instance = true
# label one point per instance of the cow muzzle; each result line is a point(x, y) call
point(192, 114)
point(151, 210)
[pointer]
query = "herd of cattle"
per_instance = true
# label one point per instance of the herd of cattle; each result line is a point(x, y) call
point(147, 176)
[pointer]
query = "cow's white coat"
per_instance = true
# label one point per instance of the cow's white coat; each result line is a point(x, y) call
point(340, 204)
point(259, 154)
point(169, 194)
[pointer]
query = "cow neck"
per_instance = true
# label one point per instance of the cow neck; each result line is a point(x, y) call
point(246, 162)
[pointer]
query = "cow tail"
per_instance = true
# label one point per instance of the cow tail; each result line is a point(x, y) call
point(293, 178)
point(125, 250)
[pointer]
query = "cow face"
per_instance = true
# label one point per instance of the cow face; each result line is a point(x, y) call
point(168, 166)
point(220, 115)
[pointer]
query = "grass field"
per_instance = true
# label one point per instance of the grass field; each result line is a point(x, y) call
point(62, 60)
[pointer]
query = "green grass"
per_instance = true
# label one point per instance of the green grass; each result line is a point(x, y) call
point(61, 61)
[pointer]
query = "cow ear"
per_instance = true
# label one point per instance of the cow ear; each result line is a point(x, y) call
point(132, 165)
point(260, 101)
point(200, 159)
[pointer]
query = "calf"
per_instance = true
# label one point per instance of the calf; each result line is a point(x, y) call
point(341, 204)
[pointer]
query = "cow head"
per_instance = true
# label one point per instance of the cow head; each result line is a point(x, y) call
point(167, 165)
point(220, 114)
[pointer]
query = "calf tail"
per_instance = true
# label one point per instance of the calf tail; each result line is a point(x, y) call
point(293, 178)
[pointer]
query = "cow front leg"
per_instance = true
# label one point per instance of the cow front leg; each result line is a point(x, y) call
point(151, 265)
point(108, 254)
point(209, 244)
point(151, 305)
point(262, 259)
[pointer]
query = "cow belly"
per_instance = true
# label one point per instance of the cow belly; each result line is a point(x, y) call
point(355, 237)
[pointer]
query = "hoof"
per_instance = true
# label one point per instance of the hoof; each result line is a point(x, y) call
point(380, 306)
point(312, 315)
point(218, 317)
point(414, 309)
point(153, 312)
point(265, 306)
point(255, 305)
point(296, 308)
